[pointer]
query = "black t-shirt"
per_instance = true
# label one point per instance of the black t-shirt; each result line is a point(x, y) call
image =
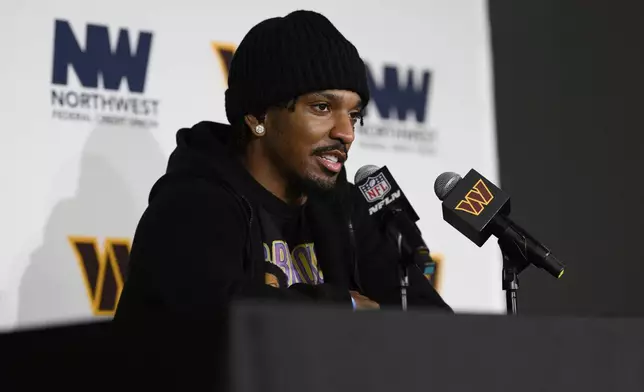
point(287, 241)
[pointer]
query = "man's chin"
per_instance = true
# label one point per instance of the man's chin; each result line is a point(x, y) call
point(322, 185)
point(325, 185)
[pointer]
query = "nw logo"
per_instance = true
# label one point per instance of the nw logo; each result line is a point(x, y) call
point(391, 95)
point(103, 271)
point(98, 58)
point(476, 199)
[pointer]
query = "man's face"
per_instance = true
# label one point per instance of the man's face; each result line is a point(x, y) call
point(310, 142)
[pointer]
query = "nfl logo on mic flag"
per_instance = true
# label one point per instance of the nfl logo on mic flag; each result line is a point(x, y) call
point(375, 188)
point(380, 189)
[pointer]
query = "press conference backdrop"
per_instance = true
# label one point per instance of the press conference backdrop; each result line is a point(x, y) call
point(94, 93)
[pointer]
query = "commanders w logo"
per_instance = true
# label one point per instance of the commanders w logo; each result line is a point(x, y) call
point(103, 271)
point(476, 199)
point(224, 52)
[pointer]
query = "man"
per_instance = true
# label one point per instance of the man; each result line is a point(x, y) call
point(262, 208)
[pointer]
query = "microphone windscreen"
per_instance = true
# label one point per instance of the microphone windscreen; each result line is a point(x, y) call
point(364, 172)
point(445, 183)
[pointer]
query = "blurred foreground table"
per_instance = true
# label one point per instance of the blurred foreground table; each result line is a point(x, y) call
point(285, 349)
point(278, 348)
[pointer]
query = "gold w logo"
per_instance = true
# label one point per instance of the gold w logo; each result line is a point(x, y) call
point(103, 271)
point(224, 52)
point(476, 199)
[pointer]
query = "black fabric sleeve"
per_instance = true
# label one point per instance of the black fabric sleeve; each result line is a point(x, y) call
point(378, 266)
point(186, 266)
point(187, 257)
point(324, 292)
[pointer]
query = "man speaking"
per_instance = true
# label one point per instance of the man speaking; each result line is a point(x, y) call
point(262, 208)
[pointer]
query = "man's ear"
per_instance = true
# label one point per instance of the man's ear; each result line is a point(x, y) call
point(256, 124)
point(251, 121)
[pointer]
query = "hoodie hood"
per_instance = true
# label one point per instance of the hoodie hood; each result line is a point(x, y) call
point(204, 151)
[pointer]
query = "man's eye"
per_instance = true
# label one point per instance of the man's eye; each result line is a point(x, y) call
point(323, 107)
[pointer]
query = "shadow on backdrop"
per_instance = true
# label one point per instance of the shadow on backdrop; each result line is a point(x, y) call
point(73, 275)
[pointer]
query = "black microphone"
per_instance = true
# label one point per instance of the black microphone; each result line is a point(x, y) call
point(388, 204)
point(478, 209)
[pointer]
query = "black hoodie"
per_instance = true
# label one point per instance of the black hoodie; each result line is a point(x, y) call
point(198, 244)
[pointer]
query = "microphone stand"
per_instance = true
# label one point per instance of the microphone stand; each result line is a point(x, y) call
point(515, 260)
point(404, 273)
point(407, 253)
point(404, 254)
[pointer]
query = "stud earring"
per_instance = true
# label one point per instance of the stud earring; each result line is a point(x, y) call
point(259, 130)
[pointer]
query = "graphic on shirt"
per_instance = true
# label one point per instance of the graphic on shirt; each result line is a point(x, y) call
point(300, 265)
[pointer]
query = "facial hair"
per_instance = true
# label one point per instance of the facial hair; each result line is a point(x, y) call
point(320, 187)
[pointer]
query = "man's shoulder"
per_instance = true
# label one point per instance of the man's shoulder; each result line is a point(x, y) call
point(190, 193)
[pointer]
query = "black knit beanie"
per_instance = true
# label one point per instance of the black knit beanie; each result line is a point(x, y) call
point(282, 58)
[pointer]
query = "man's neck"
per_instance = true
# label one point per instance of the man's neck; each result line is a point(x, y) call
point(272, 180)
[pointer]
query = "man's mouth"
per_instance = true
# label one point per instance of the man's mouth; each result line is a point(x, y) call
point(332, 160)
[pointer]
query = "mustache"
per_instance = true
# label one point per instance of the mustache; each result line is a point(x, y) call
point(334, 147)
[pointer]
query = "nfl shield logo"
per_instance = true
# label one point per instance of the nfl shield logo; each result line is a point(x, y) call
point(375, 188)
